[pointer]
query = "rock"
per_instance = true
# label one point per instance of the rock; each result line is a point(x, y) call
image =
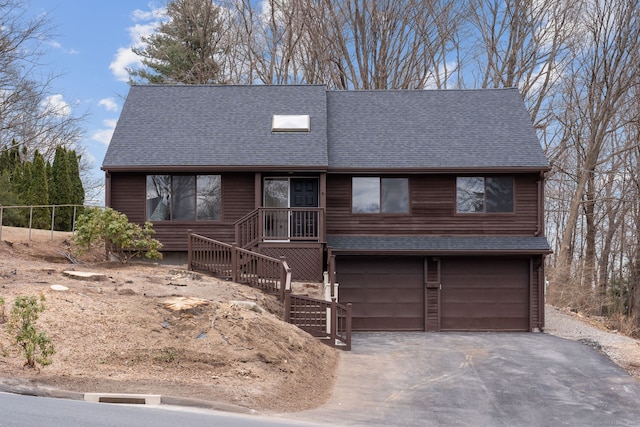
point(59, 288)
point(85, 275)
point(250, 305)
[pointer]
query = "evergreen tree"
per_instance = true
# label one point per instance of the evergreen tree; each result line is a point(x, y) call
point(36, 192)
point(61, 189)
point(77, 189)
point(186, 48)
point(9, 197)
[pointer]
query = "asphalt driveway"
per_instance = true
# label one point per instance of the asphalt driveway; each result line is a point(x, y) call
point(477, 379)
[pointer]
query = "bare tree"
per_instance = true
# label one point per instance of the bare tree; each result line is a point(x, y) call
point(26, 115)
point(603, 73)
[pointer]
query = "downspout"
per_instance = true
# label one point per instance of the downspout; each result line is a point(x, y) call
point(540, 219)
point(541, 294)
point(107, 189)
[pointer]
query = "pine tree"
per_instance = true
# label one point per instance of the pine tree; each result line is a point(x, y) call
point(186, 49)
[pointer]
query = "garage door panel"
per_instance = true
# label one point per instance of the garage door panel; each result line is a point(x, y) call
point(486, 324)
point(387, 293)
point(512, 311)
point(407, 296)
point(407, 310)
point(485, 294)
point(378, 280)
point(387, 324)
point(379, 265)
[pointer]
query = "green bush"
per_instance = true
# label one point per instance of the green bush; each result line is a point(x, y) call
point(125, 240)
point(37, 347)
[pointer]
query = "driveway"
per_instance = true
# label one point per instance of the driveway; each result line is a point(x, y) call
point(477, 379)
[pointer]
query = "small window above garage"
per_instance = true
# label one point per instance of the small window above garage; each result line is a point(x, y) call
point(290, 123)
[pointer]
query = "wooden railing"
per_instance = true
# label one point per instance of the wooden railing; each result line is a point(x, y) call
point(327, 320)
point(248, 230)
point(280, 224)
point(239, 265)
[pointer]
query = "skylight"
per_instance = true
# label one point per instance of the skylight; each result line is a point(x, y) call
point(290, 123)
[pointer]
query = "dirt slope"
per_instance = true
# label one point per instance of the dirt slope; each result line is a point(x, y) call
point(118, 335)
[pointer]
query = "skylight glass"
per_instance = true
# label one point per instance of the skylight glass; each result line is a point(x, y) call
point(290, 123)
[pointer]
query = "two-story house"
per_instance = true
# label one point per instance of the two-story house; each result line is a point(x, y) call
point(431, 201)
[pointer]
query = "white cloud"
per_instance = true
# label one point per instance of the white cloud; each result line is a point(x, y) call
point(103, 136)
point(109, 104)
point(55, 104)
point(148, 15)
point(124, 57)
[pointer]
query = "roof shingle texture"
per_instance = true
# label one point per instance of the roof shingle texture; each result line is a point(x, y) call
point(525, 244)
point(229, 125)
point(217, 126)
point(431, 129)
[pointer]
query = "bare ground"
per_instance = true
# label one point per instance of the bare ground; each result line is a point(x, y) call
point(118, 335)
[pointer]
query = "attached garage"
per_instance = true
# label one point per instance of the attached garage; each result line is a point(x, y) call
point(442, 283)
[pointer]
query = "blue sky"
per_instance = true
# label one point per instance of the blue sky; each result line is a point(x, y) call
point(90, 50)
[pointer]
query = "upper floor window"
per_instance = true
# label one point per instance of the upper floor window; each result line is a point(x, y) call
point(183, 197)
point(379, 195)
point(484, 194)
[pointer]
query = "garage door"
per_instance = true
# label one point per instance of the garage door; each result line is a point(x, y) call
point(387, 293)
point(484, 294)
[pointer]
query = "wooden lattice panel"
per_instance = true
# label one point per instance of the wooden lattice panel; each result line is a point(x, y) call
point(305, 261)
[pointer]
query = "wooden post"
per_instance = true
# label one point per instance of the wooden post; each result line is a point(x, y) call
point(53, 219)
point(189, 250)
point(287, 306)
point(348, 332)
point(332, 275)
point(334, 321)
point(1, 213)
point(234, 262)
point(283, 276)
point(30, 220)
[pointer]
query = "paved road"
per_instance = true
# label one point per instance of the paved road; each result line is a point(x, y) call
point(477, 379)
point(416, 379)
point(30, 411)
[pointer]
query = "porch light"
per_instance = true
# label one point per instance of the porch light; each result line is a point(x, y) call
point(290, 123)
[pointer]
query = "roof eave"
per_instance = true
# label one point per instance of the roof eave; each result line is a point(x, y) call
point(214, 168)
point(448, 170)
point(441, 252)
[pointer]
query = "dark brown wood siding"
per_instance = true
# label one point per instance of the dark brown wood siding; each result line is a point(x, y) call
point(433, 210)
point(387, 293)
point(128, 195)
point(485, 294)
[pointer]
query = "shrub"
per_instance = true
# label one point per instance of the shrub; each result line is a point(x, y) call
point(123, 239)
point(37, 347)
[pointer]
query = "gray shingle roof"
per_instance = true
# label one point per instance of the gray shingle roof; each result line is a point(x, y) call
point(441, 244)
point(217, 125)
point(230, 125)
point(431, 129)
